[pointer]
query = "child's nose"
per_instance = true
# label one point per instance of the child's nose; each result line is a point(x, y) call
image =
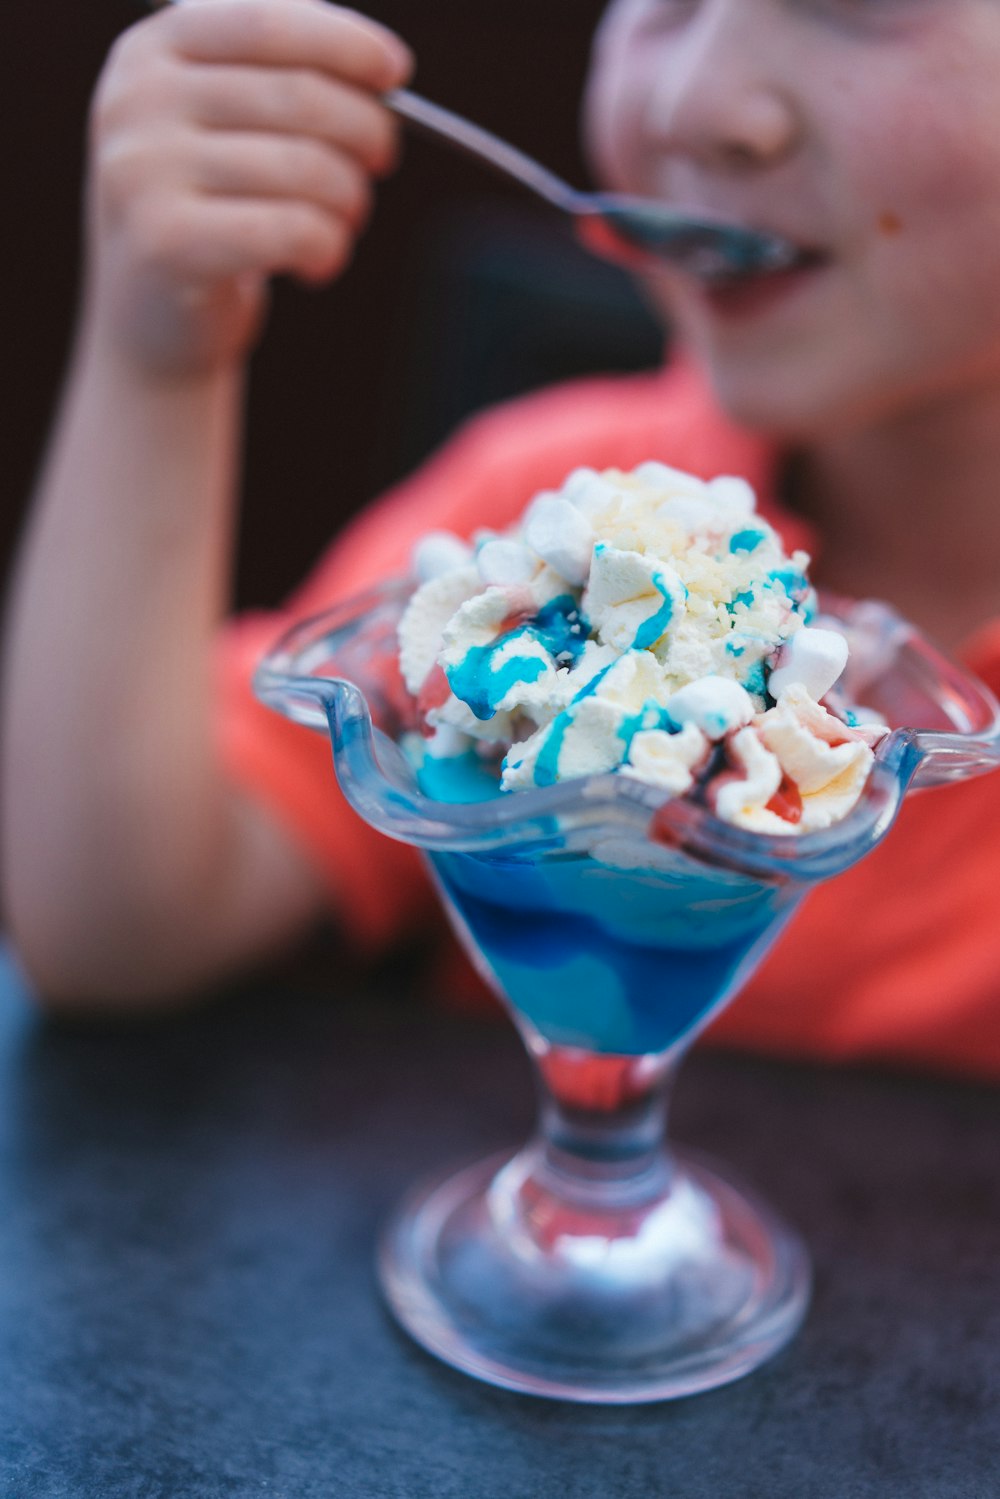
point(719, 96)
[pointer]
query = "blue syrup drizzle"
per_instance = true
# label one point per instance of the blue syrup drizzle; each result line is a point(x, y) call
point(794, 583)
point(558, 627)
point(748, 540)
point(561, 627)
point(481, 684)
point(657, 624)
point(650, 716)
point(746, 599)
point(755, 681)
point(547, 763)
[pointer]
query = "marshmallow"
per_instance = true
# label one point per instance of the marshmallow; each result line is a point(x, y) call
point(561, 535)
point(661, 476)
point(734, 495)
point(438, 553)
point(504, 561)
point(589, 492)
point(715, 705)
point(692, 511)
point(814, 659)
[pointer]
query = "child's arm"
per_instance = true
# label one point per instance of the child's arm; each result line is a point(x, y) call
point(231, 140)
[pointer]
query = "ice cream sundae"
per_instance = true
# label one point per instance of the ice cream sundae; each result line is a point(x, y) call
point(627, 748)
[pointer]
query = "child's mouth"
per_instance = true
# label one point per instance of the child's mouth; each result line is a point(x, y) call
point(747, 292)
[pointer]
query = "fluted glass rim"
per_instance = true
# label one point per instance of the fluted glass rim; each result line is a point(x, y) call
point(381, 788)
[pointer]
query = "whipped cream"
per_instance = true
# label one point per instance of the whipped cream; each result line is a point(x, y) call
point(648, 624)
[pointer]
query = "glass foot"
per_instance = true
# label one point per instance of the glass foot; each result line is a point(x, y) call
point(609, 1307)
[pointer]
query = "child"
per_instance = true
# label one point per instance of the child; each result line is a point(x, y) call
point(162, 828)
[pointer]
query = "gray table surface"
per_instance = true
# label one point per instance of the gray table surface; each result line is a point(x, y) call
point(188, 1305)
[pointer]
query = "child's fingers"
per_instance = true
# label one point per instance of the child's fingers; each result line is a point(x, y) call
point(232, 140)
point(266, 166)
point(207, 239)
point(294, 101)
point(292, 34)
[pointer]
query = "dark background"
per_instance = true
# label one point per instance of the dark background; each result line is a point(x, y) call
point(463, 291)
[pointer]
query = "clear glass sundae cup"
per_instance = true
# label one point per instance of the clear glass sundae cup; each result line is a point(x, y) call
point(598, 1263)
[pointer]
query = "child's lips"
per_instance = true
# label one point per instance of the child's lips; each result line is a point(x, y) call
point(741, 295)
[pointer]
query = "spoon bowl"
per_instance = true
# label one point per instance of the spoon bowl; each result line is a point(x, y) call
point(631, 231)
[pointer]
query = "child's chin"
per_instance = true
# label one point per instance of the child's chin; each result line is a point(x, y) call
point(784, 404)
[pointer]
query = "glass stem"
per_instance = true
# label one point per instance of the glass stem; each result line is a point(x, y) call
point(617, 1152)
point(598, 1166)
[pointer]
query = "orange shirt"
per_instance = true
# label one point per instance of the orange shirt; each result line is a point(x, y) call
point(896, 960)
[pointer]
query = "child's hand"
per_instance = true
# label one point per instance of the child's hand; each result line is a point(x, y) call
point(231, 140)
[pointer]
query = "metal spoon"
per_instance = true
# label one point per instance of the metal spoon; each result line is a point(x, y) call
point(626, 229)
point(629, 230)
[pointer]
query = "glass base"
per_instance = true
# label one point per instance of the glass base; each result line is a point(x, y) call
point(684, 1297)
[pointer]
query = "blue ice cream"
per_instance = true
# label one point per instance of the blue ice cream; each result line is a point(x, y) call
point(615, 961)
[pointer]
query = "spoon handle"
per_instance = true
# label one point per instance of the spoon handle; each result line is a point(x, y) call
point(442, 123)
point(482, 144)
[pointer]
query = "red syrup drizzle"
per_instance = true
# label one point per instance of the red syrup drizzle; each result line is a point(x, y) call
point(661, 829)
point(434, 692)
point(512, 622)
point(787, 801)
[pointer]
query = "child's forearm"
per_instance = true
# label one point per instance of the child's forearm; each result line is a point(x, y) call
point(120, 832)
point(228, 143)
